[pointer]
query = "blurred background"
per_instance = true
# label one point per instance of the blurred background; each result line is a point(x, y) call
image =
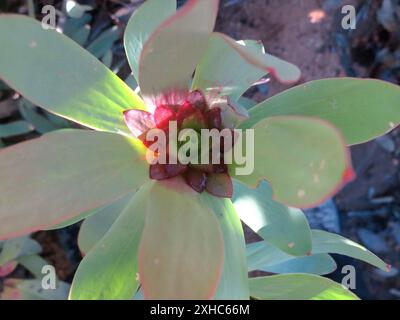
point(307, 33)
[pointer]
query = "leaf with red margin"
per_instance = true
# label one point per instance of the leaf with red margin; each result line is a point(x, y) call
point(109, 270)
point(57, 74)
point(304, 159)
point(234, 279)
point(361, 108)
point(141, 24)
point(298, 286)
point(285, 228)
point(232, 67)
point(99, 222)
point(181, 250)
point(63, 174)
point(261, 253)
point(173, 50)
point(7, 268)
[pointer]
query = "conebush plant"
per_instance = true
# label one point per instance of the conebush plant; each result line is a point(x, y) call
point(173, 230)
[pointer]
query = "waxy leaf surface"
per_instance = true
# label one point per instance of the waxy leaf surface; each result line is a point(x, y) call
point(232, 67)
point(109, 270)
point(304, 159)
point(99, 222)
point(173, 50)
point(298, 287)
point(322, 242)
point(265, 257)
point(361, 108)
point(234, 280)
point(181, 251)
point(142, 23)
point(55, 73)
point(284, 227)
point(52, 179)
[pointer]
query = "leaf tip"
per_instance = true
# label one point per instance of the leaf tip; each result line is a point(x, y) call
point(348, 175)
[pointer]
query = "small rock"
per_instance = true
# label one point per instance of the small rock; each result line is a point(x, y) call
point(373, 241)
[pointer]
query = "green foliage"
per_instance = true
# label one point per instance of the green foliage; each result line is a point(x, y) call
point(285, 228)
point(361, 108)
point(25, 251)
point(298, 287)
point(304, 159)
point(160, 239)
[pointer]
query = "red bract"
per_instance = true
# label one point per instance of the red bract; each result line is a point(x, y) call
point(193, 113)
point(196, 179)
point(214, 118)
point(163, 115)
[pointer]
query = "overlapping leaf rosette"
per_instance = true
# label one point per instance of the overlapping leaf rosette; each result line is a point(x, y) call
point(173, 230)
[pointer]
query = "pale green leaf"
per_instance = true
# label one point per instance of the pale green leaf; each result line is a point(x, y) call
point(55, 73)
point(72, 221)
point(29, 112)
point(109, 270)
point(361, 108)
point(107, 58)
point(246, 103)
point(52, 179)
point(76, 10)
point(316, 264)
point(142, 23)
point(33, 290)
point(34, 264)
point(82, 35)
point(284, 227)
point(234, 281)
point(325, 242)
point(304, 159)
point(99, 222)
point(104, 42)
point(232, 67)
point(15, 128)
point(298, 287)
point(17, 247)
point(181, 251)
point(262, 254)
point(172, 51)
point(265, 257)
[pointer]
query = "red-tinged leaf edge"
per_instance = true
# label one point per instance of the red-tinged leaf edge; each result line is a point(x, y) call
point(59, 220)
point(177, 95)
point(254, 61)
point(8, 268)
point(348, 174)
point(179, 184)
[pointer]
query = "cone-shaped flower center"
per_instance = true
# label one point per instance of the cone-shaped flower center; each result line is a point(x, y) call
point(193, 114)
